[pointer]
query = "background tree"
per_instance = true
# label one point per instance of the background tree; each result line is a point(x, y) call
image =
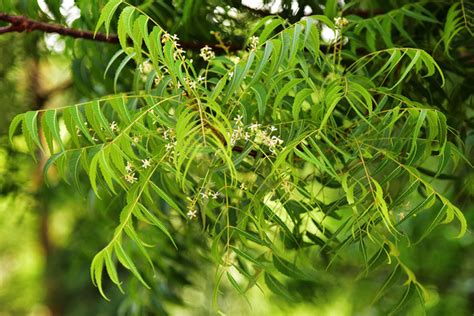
point(292, 154)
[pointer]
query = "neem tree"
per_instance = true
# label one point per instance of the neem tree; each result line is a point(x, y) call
point(292, 153)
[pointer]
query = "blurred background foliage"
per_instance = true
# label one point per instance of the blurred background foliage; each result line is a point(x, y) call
point(48, 233)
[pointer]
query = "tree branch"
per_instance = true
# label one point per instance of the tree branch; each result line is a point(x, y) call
point(22, 24)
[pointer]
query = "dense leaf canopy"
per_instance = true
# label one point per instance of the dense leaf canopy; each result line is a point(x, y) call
point(297, 150)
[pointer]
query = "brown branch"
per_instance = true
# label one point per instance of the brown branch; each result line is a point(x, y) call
point(22, 24)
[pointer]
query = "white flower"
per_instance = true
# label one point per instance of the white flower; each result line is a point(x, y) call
point(277, 140)
point(235, 59)
point(131, 177)
point(231, 74)
point(253, 42)
point(165, 37)
point(331, 37)
point(192, 84)
point(207, 53)
point(204, 195)
point(260, 136)
point(146, 163)
point(192, 213)
point(169, 146)
point(328, 35)
point(168, 134)
point(254, 126)
point(238, 120)
point(201, 79)
point(179, 52)
point(215, 195)
point(113, 126)
point(273, 128)
point(145, 68)
point(243, 187)
point(340, 22)
point(236, 135)
point(129, 167)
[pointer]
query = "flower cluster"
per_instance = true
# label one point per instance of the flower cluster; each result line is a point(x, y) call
point(331, 36)
point(130, 177)
point(191, 83)
point(210, 194)
point(130, 170)
point(207, 53)
point(256, 134)
point(253, 42)
point(178, 53)
point(169, 135)
point(157, 80)
point(165, 37)
point(340, 22)
point(145, 68)
point(129, 167)
point(238, 133)
point(91, 130)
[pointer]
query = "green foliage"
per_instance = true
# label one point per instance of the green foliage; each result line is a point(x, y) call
point(458, 19)
point(286, 148)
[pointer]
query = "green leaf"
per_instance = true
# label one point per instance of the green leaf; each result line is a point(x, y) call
point(260, 94)
point(107, 172)
point(153, 219)
point(248, 257)
point(262, 62)
point(284, 91)
point(111, 270)
point(287, 268)
point(31, 123)
point(276, 286)
point(14, 125)
point(121, 67)
point(107, 14)
point(234, 283)
point(125, 26)
point(168, 199)
point(97, 266)
point(78, 120)
point(92, 171)
point(52, 123)
point(128, 263)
